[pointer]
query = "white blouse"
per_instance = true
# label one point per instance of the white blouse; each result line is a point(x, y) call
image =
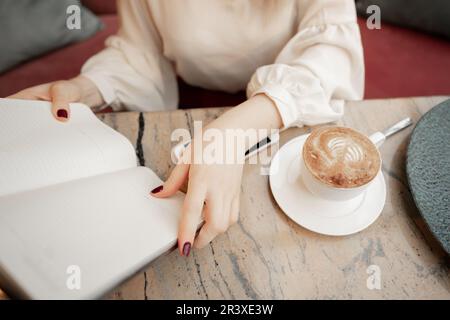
point(306, 55)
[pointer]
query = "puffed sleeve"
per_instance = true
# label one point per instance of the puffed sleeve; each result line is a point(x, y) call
point(319, 68)
point(131, 72)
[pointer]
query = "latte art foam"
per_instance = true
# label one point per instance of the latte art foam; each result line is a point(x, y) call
point(341, 157)
point(344, 149)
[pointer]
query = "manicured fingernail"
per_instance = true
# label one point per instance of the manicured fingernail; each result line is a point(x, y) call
point(62, 113)
point(186, 249)
point(157, 189)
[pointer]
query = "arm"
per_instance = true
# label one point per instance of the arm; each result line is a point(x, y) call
point(318, 68)
point(130, 72)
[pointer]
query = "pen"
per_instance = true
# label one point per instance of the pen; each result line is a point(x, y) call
point(259, 146)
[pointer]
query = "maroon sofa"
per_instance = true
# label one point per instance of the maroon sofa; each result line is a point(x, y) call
point(399, 63)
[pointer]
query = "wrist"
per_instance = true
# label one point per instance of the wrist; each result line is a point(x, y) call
point(89, 93)
point(258, 112)
point(252, 120)
point(266, 112)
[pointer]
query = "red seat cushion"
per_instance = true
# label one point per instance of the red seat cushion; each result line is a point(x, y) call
point(101, 6)
point(402, 62)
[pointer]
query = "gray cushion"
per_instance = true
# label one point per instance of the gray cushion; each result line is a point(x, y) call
point(426, 15)
point(29, 28)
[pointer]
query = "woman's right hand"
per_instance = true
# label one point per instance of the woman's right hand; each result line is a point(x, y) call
point(61, 93)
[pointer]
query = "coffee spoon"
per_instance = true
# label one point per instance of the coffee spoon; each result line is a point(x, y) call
point(379, 137)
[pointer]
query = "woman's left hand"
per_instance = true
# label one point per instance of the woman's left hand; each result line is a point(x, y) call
point(213, 191)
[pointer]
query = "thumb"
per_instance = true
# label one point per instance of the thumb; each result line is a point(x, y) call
point(174, 182)
point(62, 93)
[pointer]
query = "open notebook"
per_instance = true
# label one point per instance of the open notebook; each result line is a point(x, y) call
point(76, 217)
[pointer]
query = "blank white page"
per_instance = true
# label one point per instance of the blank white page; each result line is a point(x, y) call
point(37, 151)
point(108, 226)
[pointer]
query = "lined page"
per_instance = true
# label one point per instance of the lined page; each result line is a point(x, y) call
point(37, 151)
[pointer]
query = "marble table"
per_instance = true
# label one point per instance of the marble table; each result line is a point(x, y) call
point(267, 256)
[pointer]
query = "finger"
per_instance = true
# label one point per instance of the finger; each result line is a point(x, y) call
point(21, 95)
point(176, 179)
point(62, 93)
point(190, 218)
point(39, 92)
point(216, 223)
point(234, 214)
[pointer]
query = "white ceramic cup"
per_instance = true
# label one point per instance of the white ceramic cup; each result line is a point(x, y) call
point(327, 192)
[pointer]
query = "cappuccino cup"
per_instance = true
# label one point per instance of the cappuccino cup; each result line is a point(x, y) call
point(339, 163)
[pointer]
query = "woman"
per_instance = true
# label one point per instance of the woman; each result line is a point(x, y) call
point(298, 59)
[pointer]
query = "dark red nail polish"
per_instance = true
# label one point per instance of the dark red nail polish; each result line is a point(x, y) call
point(157, 189)
point(62, 113)
point(186, 249)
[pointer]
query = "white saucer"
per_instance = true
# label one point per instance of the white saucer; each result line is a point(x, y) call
point(335, 218)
